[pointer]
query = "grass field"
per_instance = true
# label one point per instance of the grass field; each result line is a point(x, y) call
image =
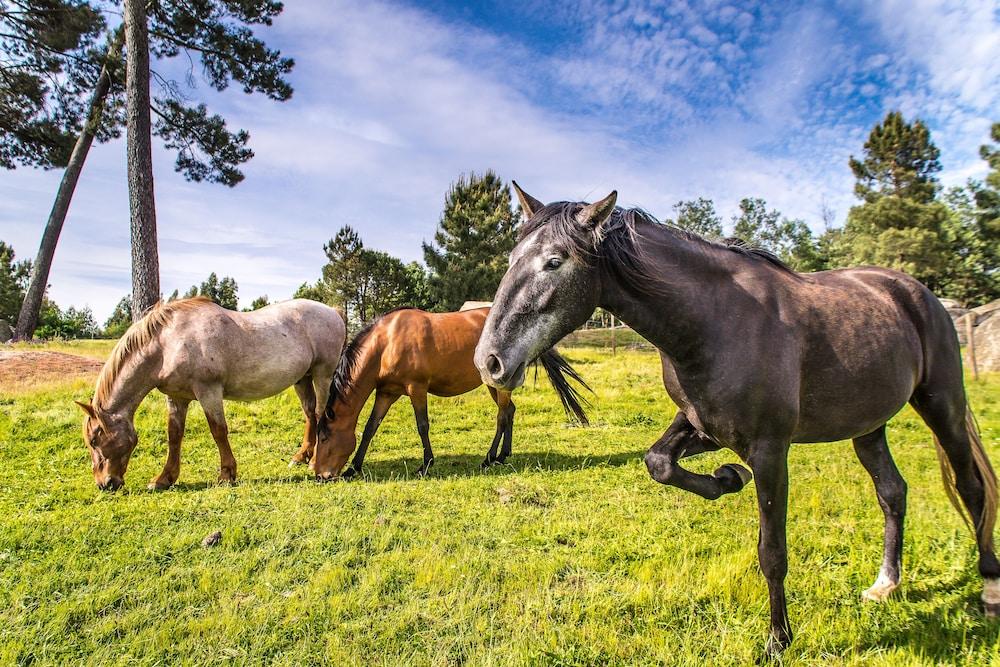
point(571, 555)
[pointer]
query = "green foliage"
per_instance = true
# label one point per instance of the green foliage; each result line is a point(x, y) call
point(699, 216)
point(223, 292)
point(365, 283)
point(569, 555)
point(65, 324)
point(51, 61)
point(475, 235)
point(54, 63)
point(259, 303)
point(13, 282)
point(791, 240)
point(121, 317)
point(899, 160)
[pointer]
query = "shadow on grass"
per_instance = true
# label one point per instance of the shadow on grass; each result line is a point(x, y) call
point(934, 634)
point(445, 466)
point(469, 465)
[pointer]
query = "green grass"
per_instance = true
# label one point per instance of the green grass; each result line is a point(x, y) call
point(570, 556)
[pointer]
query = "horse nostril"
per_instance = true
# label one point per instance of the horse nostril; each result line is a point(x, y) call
point(494, 366)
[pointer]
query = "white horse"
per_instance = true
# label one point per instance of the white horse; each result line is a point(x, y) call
point(193, 349)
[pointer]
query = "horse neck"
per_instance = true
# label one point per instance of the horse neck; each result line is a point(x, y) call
point(696, 280)
point(135, 379)
point(348, 405)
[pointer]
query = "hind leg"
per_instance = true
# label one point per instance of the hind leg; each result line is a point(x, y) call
point(307, 398)
point(418, 398)
point(890, 487)
point(210, 397)
point(945, 413)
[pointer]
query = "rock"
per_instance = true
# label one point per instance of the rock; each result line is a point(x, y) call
point(986, 311)
point(6, 333)
point(212, 540)
point(988, 345)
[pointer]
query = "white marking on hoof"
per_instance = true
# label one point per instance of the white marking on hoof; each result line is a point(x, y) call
point(881, 589)
point(991, 597)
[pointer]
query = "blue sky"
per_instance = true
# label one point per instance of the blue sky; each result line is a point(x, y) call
point(660, 100)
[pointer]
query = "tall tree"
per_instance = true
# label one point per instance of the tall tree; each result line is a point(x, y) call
point(699, 216)
point(340, 274)
point(13, 276)
point(899, 159)
point(791, 240)
point(28, 315)
point(224, 292)
point(218, 32)
point(475, 235)
point(139, 155)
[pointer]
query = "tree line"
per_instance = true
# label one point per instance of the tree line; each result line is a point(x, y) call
point(77, 71)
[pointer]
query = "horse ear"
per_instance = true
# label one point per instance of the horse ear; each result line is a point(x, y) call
point(529, 205)
point(592, 216)
point(88, 408)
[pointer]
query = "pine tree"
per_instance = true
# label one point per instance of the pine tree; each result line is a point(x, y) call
point(475, 235)
point(899, 160)
point(89, 104)
point(699, 216)
point(13, 276)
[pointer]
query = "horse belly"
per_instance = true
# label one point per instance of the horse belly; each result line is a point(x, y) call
point(255, 378)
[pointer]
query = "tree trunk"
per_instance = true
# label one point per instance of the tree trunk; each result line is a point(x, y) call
point(139, 151)
point(27, 319)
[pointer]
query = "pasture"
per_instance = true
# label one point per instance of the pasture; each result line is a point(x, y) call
point(568, 555)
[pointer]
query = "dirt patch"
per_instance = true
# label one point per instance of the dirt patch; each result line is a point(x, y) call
point(21, 369)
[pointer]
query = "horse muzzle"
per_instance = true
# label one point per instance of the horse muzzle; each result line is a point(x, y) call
point(500, 374)
point(111, 483)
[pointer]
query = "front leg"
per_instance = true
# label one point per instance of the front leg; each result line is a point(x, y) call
point(307, 399)
point(210, 398)
point(418, 399)
point(680, 440)
point(770, 470)
point(176, 418)
point(382, 404)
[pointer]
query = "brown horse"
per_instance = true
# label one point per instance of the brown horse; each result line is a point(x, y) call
point(411, 352)
point(757, 357)
point(193, 349)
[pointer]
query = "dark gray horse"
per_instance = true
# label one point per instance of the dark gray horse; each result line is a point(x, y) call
point(757, 357)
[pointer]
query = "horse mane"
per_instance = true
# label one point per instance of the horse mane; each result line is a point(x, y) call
point(343, 376)
point(616, 245)
point(137, 337)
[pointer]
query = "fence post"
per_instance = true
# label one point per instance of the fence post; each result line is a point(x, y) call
point(614, 337)
point(970, 335)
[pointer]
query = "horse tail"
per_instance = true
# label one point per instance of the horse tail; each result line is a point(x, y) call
point(557, 368)
point(987, 521)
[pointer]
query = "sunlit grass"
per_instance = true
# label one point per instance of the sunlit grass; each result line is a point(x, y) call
point(570, 555)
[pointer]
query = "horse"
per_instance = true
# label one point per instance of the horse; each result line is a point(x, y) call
point(411, 352)
point(193, 349)
point(756, 356)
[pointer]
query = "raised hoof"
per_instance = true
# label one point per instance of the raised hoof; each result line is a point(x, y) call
point(732, 477)
point(991, 598)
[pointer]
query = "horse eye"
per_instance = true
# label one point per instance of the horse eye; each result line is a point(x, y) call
point(553, 264)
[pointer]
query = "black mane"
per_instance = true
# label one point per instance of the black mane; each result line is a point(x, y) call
point(343, 376)
point(616, 248)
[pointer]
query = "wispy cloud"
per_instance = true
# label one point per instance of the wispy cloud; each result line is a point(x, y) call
point(660, 100)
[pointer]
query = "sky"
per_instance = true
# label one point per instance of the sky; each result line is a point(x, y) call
point(660, 100)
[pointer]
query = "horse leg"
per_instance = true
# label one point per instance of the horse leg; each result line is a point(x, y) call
point(946, 414)
point(769, 463)
point(382, 404)
point(890, 487)
point(507, 409)
point(307, 399)
point(661, 460)
point(177, 415)
point(210, 398)
point(491, 455)
point(418, 398)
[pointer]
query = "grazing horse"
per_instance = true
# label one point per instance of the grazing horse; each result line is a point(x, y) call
point(757, 357)
point(193, 349)
point(411, 352)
